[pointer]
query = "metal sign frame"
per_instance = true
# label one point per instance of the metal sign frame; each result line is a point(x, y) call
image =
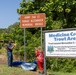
point(46, 31)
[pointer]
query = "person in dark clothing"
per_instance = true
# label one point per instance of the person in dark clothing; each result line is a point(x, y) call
point(9, 53)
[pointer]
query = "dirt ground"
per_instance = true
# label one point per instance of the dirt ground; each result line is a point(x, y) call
point(3, 59)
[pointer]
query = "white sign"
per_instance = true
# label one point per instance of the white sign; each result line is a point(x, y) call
point(60, 43)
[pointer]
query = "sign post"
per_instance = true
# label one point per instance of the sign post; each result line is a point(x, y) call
point(32, 21)
point(24, 46)
point(41, 36)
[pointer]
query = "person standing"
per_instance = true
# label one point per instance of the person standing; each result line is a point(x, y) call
point(40, 59)
point(9, 48)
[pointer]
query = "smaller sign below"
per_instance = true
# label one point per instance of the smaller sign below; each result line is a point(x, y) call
point(32, 20)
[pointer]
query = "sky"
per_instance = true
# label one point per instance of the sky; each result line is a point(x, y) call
point(8, 12)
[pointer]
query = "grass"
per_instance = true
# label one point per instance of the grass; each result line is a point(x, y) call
point(4, 70)
point(61, 73)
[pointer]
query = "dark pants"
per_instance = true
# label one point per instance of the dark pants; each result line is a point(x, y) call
point(10, 59)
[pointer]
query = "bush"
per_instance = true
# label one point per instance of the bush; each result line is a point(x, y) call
point(0, 46)
point(61, 64)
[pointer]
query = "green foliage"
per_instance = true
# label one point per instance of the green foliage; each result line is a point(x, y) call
point(61, 64)
point(56, 25)
point(0, 46)
point(21, 51)
point(1, 50)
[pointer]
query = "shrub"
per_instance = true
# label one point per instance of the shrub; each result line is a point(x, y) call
point(0, 46)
